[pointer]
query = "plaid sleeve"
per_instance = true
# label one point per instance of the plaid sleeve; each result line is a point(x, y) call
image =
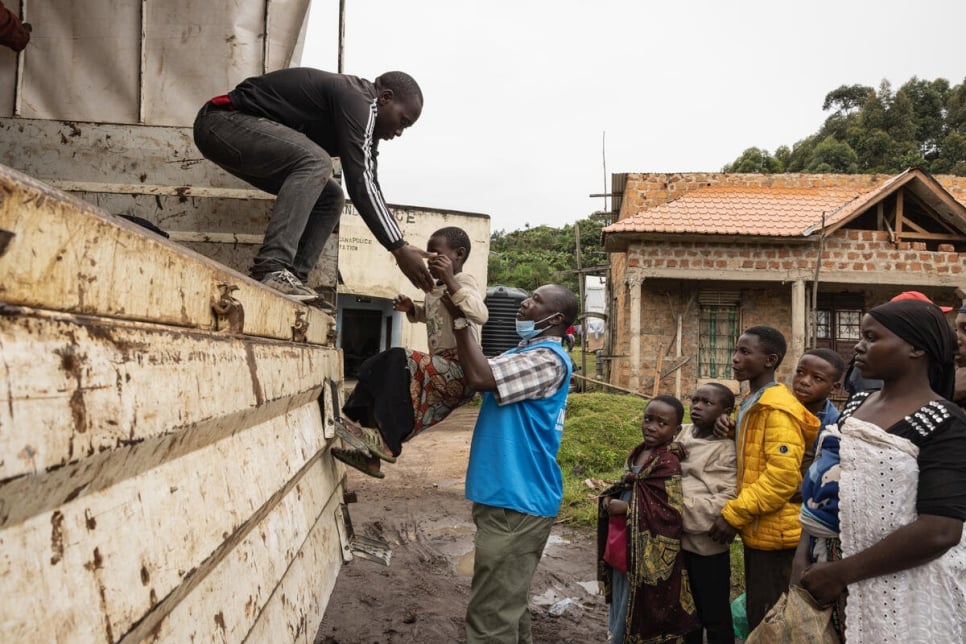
point(529, 375)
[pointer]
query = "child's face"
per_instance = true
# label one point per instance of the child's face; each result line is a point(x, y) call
point(440, 246)
point(660, 424)
point(707, 404)
point(750, 358)
point(880, 352)
point(814, 380)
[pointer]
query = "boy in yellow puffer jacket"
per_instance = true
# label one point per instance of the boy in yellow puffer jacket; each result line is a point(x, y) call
point(773, 429)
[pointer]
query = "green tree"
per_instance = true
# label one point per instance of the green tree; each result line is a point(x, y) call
point(533, 256)
point(755, 160)
point(877, 131)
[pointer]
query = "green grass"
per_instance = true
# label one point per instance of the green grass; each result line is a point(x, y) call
point(600, 431)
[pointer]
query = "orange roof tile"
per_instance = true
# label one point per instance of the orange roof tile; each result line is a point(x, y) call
point(742, 210)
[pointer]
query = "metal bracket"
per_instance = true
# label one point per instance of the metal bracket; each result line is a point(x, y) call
point(300, 328)
point(229, 312)
point(354, 545)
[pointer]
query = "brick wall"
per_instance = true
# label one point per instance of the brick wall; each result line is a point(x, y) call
point(662, 300)
point(845, 250)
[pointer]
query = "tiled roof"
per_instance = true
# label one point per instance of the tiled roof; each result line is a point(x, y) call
point(744, 210)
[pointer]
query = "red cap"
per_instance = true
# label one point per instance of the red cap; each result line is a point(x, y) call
point(916, 295)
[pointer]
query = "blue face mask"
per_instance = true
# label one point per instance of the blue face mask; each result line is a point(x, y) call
point(526, 330)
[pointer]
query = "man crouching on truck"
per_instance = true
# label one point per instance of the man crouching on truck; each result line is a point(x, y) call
point(513, 478)
point(279, 132)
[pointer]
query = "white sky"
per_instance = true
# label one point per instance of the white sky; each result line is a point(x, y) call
point(519, 94)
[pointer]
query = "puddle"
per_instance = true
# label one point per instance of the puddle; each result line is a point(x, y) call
point(464, 565)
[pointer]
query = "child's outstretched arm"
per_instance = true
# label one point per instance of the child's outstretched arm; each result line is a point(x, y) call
point(414, 312)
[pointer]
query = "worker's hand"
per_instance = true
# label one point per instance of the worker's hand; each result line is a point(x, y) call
point(722, 531)
point(402, 303)
point(724, 426)
point(410, 260)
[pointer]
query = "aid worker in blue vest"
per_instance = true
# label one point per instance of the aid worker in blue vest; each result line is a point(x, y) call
point(513, 478)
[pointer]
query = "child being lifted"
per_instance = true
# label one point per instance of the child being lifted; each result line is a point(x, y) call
point(401, 392)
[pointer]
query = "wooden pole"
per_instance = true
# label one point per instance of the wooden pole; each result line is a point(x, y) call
point(580, 305)
point(610, 386)
point(657, 371)
point(341, 64)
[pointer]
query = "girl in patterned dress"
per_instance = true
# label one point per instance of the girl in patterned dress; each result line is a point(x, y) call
point(401, 392)
point(644, 579)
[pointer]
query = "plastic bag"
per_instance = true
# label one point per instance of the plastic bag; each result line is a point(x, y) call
point(739, 617)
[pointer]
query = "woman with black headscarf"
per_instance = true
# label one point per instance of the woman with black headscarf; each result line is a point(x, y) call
point(902, 486)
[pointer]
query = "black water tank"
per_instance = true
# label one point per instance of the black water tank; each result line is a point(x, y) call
point(500, 332)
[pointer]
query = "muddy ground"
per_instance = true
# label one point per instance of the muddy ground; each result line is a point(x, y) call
point(419, 508)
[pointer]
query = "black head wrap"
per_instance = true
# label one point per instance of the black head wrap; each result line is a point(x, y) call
point(924, 326)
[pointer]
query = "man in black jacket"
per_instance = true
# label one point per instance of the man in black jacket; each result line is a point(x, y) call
point(279, 132)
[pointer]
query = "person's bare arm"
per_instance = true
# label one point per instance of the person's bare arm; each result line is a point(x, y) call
point(959, 394)
point(923, 540)
point(476, 368)
point(800, 562)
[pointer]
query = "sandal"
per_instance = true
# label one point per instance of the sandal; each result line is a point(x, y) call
point(358, 459)
point(365, 439)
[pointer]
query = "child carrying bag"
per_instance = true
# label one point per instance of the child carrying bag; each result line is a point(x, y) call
point(795, 619)
point(615, 550)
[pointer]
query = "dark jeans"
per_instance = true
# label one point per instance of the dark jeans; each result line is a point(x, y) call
point(285, 163)
point(767, 574)
point(710, 579)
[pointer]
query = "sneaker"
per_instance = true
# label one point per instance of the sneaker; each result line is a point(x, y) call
point(284, 282)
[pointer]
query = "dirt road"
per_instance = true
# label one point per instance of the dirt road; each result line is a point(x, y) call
point(419, 508)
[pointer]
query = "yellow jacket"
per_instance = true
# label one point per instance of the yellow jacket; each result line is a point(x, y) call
point(771, 443)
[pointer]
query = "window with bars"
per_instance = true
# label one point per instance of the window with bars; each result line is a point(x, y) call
point(717, 336)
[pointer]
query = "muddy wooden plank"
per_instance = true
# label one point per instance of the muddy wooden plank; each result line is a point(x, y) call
point(286, 588)
point(102, 561)
point(68, 255)
point(298, 604)
point(74, 387)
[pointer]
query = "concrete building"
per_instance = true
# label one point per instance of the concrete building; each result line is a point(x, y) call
point(696, 258)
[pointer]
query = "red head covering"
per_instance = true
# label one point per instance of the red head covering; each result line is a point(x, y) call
point(916, 295)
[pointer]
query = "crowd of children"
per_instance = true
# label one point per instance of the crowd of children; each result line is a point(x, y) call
point(863, 509)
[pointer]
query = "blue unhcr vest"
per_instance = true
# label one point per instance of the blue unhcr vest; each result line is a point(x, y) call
point(513, 457)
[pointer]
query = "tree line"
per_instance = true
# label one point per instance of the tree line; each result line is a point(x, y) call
point(872, 131)
point(868, 131)
point(530, 257)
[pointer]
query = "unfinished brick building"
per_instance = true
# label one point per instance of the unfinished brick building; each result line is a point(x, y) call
point(696, 258)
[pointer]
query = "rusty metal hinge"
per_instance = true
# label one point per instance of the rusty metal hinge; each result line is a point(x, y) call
point(229, 312)
point(300, 328)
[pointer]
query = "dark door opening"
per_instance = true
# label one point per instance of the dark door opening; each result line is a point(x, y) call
point(360, 338)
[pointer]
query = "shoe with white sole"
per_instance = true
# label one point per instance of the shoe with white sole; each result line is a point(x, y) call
point(286, 283)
